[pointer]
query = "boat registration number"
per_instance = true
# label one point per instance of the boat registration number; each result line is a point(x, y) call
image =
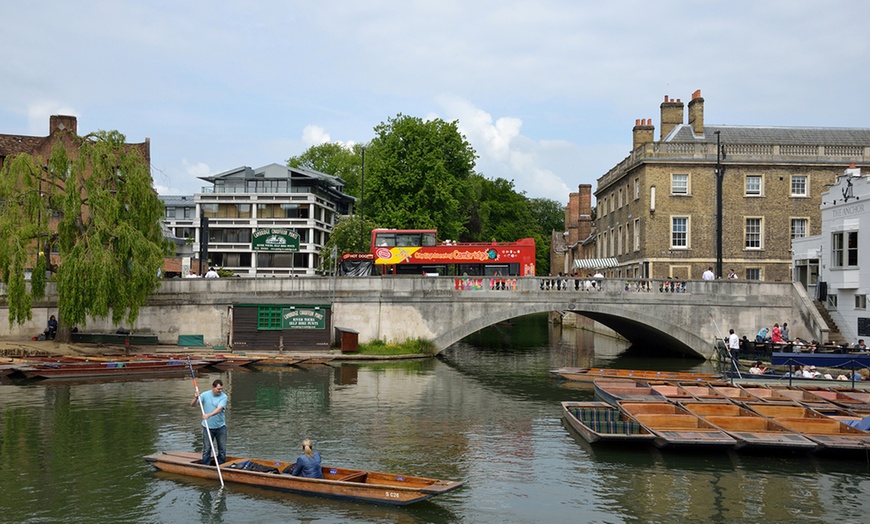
point(391, 494)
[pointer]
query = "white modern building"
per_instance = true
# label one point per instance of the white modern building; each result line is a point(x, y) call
point(830, 265)
point(243, 201)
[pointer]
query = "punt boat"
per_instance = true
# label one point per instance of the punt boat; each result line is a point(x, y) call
point(830, 433)
point(614, 391)
point(592, 374)
point(599, 421)
point(54, 370)
point(751, 430)
point(368, 486)
point(703, 392)
point(847, 398)
point(675, 426)
point(803, 397)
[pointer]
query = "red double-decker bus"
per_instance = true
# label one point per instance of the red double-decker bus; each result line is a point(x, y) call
point(418, 251)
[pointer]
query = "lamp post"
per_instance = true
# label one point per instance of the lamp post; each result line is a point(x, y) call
point(720, 173)
point(362, 187)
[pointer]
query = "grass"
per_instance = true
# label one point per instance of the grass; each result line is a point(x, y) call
point(409, 347)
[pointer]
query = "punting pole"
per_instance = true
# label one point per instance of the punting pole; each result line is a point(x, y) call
point(727, 349)
point(207, 431)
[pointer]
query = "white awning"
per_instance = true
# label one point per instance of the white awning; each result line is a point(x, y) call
point(595, 263)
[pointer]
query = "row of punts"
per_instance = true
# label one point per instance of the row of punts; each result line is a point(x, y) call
point(99, 366)
point(711, 415)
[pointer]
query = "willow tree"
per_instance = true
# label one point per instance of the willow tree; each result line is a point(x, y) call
point(90, 218)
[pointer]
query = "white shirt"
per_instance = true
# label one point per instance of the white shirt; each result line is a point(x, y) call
point(212, 274)
point(733, 342)
point(708, 275)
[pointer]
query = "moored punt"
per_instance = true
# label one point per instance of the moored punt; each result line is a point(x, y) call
point(369, 486)
point(591, 374)
point(106, 369)
point(276, 360)
point(805, 398)
point(750, 429)
point(6, 369)
point(849, 399)
point(233, 361)
point(613, 391)
point(703, 392)
point(673, 391)
point(830, 433)
point(599, 421)
point(736, 393)
point(675, 426)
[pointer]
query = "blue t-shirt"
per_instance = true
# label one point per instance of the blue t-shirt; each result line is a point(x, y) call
point(211, 403)
point(308, 467)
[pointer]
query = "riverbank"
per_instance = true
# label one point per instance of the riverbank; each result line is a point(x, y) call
point(24, 348)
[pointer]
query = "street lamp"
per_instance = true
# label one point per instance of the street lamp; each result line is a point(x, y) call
point(362, 217)
point(720, 173)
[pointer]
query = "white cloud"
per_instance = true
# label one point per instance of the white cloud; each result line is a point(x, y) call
point(314, 135)
point(196, 170)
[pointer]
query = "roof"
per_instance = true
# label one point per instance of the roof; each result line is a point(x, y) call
point(595, 263)
point(178, 200)
point(818, 136)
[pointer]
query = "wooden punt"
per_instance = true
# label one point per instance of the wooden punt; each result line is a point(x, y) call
point(673, 391)
point(675, 426)
point(737, 393)
point(847, 398)
point(592, 374)
point(107, 369)
point(805, 398)
point(751, 430)
point(368, 486)
point(6, 369)
point(829, 432)
point(703, 392)
point(614, 391)
point(599, 421)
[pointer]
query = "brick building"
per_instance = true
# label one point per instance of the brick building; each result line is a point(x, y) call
point(61, 128)
point(574, 249)
point(657, 209)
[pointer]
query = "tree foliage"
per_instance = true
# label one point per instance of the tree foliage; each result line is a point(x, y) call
point(351, 234)
point(417, 175)
point(96, 208)
point(333, 159)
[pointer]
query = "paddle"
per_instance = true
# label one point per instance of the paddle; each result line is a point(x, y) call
point(207, 431)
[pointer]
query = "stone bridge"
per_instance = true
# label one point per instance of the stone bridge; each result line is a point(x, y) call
point(654, 315)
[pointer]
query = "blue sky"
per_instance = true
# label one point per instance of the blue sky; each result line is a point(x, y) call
point(545, 91)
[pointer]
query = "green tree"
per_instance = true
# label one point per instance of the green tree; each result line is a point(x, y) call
point(333, 159)
point(350, 235)
point(96, 207)
point(417, 175)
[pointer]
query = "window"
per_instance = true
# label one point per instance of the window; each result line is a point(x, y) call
point(679, 184)
point(637, 234)
point(619, 197)
point(844, 247)
point(753, 233)
point(799, 186)
point(832, 301)
point(798, 227)
point(269, 318)
point(170, 212)
point(619, 240)
point(860, 301)
point(188, 212)
point(753, 185)
point(637, 188)
point(679, 232)
point(753, 273)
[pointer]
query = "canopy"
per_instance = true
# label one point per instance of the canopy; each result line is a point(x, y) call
point(595, 263)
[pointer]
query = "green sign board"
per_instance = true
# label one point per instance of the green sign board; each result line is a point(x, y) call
point(275, 239)
point(303, 318)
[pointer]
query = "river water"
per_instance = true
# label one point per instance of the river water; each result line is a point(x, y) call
point(487, 413)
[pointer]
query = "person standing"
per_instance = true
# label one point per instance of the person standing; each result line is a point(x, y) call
point(733, 346)
point(211, 273)
point(784, 332)
point(708, 275)
point(214, 403)
point(776, 334)
point(732, 275)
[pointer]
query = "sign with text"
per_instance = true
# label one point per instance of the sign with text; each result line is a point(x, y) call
point(275, 239)
point(304, 318)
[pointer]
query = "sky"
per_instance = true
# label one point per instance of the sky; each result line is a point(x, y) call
point(545, 91)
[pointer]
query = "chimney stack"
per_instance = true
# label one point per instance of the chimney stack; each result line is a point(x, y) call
point(696, 113)
point(58, 123)
point(672, 115)
point(642, 133)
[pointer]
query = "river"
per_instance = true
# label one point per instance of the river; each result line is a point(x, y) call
point(486, 412)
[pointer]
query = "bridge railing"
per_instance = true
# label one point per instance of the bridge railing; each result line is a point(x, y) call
point(583, 284)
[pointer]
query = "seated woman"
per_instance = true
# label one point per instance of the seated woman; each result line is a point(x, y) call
point(51, 330)
point(308, 464)
point(757, 368)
